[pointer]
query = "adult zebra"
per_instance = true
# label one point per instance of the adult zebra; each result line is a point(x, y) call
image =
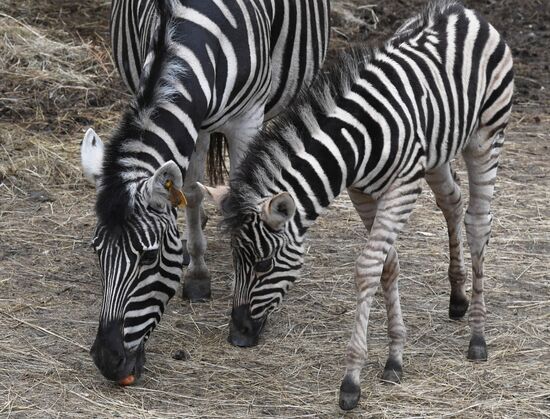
point(198, 66)
point(441, 86)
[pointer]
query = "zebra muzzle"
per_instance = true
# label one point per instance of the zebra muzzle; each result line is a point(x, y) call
point(113, 360)
point(244, 331)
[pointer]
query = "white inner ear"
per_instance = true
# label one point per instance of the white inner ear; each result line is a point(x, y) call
point(277, 210)
point(216, 195)
point(91, 156)
point(156, 185)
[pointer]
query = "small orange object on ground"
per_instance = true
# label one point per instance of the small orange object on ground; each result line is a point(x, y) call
point(127, 381)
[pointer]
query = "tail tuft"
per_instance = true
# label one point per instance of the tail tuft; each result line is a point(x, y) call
point(215, 164)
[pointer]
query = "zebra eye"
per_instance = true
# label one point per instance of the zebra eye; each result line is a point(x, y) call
point(149, 256)
point(264, 266)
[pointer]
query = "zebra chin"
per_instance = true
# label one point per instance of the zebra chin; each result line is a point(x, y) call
point(244, 331)
point(113, 360)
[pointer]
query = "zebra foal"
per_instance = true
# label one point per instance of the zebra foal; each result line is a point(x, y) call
point(382, 121)
point(196, 67)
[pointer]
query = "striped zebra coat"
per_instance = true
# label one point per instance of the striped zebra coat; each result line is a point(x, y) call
point(378, 124)
point(196, 67)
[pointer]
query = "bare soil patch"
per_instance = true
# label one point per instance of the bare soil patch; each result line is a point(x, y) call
point(57, 78)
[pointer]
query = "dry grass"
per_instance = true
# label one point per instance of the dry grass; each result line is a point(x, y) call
point(54, 83)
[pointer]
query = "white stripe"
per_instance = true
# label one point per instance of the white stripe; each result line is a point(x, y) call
point(226, 12)
point(195, 65)
point(150, 126)
point(184, 118)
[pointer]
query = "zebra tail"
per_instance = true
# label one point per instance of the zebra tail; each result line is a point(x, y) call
point(215, 164)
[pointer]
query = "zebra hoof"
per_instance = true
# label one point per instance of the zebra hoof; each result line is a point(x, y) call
point(393, 372)
point(196, 290)
point(478, 349)
point(350, 393)
point(458, 306)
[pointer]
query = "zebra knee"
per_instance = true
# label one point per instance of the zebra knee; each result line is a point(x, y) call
point(196, 246)
point(478, 231)
point(391, 267)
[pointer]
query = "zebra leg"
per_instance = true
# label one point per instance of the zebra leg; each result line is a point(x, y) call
point(393, 371)
point(203, 221)
point(481, 157)
point(196, 281)
point(449, 200)
point(394, 209)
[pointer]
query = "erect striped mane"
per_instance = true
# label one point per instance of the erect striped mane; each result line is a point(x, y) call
point(115, 199)
point(255, 177)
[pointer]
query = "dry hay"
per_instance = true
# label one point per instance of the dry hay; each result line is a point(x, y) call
point(50, 291)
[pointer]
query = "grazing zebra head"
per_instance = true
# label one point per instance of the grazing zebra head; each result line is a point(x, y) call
point(267, 257)
point(140, 256)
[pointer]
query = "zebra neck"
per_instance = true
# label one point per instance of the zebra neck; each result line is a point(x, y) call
point(313, 157)
point(313, 149)
point(318, 165)
point(149, 136)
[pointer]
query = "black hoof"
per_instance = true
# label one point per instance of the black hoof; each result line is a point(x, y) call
point(458, 306)
point(196, 290)
point(186, 257)
point(478, 349)
point(349, 394)
point(393, 372)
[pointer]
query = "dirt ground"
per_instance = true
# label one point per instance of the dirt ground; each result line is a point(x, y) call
point(57, 78)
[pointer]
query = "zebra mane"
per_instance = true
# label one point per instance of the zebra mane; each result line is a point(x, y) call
point(115, 198)
point(427, 17)
point(270, 152)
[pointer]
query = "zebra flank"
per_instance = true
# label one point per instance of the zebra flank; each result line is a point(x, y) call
point(195, 67)
point(376, 124)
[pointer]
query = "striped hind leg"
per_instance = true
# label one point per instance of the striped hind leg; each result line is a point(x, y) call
point(393, 211)
point(393, 371)
point(481, 157)
point(448, 197)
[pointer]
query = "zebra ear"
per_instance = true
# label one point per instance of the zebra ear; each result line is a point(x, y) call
point(216, 195)
point(277, 210)
point(165, 187)
point(91, 156)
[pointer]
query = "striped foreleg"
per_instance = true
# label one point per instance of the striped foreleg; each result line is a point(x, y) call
point(394, 209)
point(449, 200)
point(366, 208)
point(196, 285)
point(481, 159)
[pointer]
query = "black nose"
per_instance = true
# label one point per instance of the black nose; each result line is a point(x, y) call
point(108, 351)
point(244, 330)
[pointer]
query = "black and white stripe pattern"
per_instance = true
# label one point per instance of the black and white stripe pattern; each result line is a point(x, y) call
point(196, 66)
point(377, 125)
point(276, 264)
point(141, 267)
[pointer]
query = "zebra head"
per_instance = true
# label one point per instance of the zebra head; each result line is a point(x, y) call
point(140, 257)
point(267, 257)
